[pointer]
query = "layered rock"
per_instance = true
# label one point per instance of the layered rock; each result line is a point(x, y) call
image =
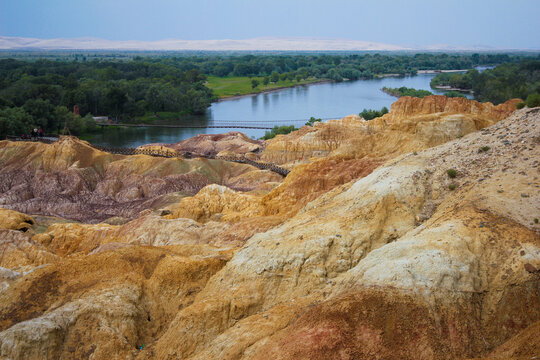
point(103, 306)
point(412, 124)
point(71, 179)
point(351, 257)
point(14, 220)
point(212, 144)
point(457, 255)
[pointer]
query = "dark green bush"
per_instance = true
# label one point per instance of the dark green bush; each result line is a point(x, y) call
point(312, 121)
point(520, 105)
point(533, 100)
point(452, 173)
point(369, 114)
point(278, 130)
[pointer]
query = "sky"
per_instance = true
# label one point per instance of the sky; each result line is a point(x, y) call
point(495, 23)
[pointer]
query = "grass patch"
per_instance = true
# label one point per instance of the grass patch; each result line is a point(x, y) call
point(241, 85)
point(452, 187)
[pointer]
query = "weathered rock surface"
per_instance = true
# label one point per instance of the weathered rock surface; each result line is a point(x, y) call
point(456, 255)
point(351, 257)
point(14, 220)
point(102, 306)
point(412, 124)
point(73, 180)
point(212, 144)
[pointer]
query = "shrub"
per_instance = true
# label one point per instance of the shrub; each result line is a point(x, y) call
point(536, 220)
point(369, 114)
point(454, 93)
point(452, 186)
point(484, 149)
point(452, 173)
point(533, 100)
point(520, 105)
point(312, 121)
point(278, 130)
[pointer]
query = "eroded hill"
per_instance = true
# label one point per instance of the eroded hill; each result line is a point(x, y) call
point(351, 257)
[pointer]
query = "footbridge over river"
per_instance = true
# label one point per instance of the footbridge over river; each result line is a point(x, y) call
point(167, 153)
point(220, 124)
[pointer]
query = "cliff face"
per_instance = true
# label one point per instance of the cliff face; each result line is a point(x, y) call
point(349, 257)
point(412, 124)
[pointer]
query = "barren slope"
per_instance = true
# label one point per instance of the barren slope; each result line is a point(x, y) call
point(351, 257)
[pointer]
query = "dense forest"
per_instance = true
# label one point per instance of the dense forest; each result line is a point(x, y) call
point(41, 93)
point(499, 84)
point(330, 66)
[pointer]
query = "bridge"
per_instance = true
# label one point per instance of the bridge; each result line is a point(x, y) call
point(222, 124)
point(166, 153)
point(188, 126)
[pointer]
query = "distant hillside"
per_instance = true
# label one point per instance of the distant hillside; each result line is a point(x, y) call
point(257, 44)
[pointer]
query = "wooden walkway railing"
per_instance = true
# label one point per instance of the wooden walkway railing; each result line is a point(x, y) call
point(167, 153)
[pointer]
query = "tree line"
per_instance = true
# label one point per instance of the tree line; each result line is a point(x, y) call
point(333, 66)
point(504, 82)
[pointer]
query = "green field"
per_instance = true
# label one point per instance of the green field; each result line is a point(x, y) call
point(241, 85)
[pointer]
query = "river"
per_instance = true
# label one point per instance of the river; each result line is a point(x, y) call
point(282, 107)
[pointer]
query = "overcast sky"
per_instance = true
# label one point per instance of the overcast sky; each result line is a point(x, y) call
point(497, 23)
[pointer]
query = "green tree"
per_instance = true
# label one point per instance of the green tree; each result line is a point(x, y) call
point(90, 124)
point(254, 83)
point(63, 117)
point(115, 99)
point(312, 120)
point(266, 80)
point(42, 112)
point(77, 125)
point(14, 121)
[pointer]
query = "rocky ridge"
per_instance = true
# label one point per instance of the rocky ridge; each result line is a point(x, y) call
point(412, 124)
point(73, 180)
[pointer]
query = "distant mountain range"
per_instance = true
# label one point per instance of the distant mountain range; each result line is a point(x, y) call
point(256, 44)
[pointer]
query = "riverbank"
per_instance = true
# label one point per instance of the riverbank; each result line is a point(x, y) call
point(239, 86)
point(235, 97)
point(440, 71)
point(450, 88)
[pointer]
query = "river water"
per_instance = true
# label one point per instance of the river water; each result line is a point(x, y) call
point(282, 107)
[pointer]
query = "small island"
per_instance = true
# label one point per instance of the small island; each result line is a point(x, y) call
point(405, 91)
